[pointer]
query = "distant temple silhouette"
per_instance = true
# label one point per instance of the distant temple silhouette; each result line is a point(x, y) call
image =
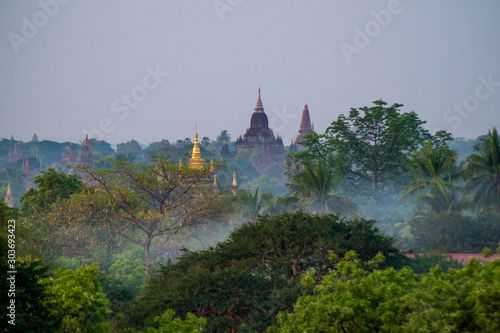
point(305, 127)
point(69, 157)
point(86, 153)
point(17, 154)
point(259, 136)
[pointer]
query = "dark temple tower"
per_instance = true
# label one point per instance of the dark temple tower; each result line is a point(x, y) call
point(305, 127)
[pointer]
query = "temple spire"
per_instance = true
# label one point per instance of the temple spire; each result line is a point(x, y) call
point(305, 127)
point(212, 167)
point(196, 162)
point(258, 105)
point(9, 198)
point(27, 168)
point(305, 122)
point(86, 153)
point(235, 184)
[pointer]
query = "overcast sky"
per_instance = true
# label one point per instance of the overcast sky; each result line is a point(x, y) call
point(152, 70)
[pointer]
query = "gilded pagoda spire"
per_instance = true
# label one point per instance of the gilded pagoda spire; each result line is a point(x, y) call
point(196, 162)
point(9, 198)
point(258, 105)
point(212, 167)
point(235, 184)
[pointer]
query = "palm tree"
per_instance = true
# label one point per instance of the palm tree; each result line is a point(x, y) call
point(483, 174)
point(437, 169)
point(430, 164)
point(445, 197)
point(224, 135)
point(314, 186)
point(253, 203)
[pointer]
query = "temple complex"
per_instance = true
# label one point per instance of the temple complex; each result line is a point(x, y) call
point(17, 154)
point(69, 157)
point(260, 136)
point(86, 153)
point(9, 198)
point(305, 127)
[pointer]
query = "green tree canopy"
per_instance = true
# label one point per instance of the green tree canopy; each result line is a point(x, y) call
point(244, 281)
point(314, 185)
point(51, 185)
point(78, 301)
point(371, 145)
point(483, 173)
point(353, 299)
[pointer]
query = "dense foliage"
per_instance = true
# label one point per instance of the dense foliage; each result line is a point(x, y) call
point(139, 239)
point(243, 282)
point(353, 299)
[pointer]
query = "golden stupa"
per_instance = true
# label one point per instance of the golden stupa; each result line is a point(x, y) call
point(196, 162)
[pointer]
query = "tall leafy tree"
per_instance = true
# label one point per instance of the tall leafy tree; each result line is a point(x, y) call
point(80, 227)
point(242, 283)
point(483, 173)
point(78, 301)
point(314, 186)
point(30, 312)
point(156, 201)
point(371, 145)
point(51, 185)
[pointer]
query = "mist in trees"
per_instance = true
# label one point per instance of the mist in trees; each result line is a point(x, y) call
point(161, 246)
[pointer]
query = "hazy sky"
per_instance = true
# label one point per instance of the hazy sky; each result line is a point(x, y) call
point(151, 70)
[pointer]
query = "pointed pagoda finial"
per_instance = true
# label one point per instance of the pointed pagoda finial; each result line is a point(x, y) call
point(305, 122)
point(9, 191)
point(212, 168)
point(258, 105)
point(235, 184)
point(196, 162)
point(180, 161)
point(9, 198)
